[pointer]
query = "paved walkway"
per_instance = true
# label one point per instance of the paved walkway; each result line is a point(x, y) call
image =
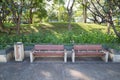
point(59, 71)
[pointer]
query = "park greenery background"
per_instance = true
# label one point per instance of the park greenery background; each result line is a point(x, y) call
point(60, 22)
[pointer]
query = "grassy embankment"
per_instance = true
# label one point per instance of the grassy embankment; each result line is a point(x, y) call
point(57, 33)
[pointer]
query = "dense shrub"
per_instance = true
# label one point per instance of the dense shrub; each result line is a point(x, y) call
point(60, 38)
point(57, 33)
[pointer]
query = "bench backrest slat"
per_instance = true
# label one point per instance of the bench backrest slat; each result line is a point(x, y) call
point(49, 47)
point(88, 47)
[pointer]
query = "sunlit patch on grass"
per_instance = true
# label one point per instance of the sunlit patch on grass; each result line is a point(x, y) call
point(93, 27)
point(48, 24)
point(35, 29)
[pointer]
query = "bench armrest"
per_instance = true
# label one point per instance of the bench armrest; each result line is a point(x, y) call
point(104, 51)
point(105, 58)
point(73, 55)
point(65, 51)
point(33, 50)
point(73, 50)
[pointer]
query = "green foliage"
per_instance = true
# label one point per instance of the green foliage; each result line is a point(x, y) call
point(60, 38)
point(8, 25)
point(57, 33)
point(42, 13)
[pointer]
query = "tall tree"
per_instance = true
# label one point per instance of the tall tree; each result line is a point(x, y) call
point(112, 9)
point(70, 11)
point(4, 12)
point(16, 8)
point(96, 11)
point(106, 12)
point(34, 5)
point(30, 12)
point(58, 4)
point(84, 10)
point(1, 13)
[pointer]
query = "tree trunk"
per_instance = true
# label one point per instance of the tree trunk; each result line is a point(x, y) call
point(116, 33)
point(114, 29)
point(69, 10)
point(69, 22)
point(85, 15)
point(113, 26)
point(84, 11)
point(18, 25)
point(108, 22)
point(1, 24)
point(59, 17)
point(31, 14)
point(108, 28)
point(18, 22)
point(30, 19)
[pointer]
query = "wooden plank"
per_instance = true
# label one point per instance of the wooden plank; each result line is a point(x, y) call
point(88, 47)
point(49, 47)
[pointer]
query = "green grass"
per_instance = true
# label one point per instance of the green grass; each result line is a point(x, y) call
point(57, 33)
point(8, 25)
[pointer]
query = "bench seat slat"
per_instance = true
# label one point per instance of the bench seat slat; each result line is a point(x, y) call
point(49, 47)
point(89, 54)
point(87, 47)
point(49, 54)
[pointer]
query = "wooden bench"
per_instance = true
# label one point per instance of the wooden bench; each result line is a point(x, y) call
point(89, 51)
point(48, 51)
